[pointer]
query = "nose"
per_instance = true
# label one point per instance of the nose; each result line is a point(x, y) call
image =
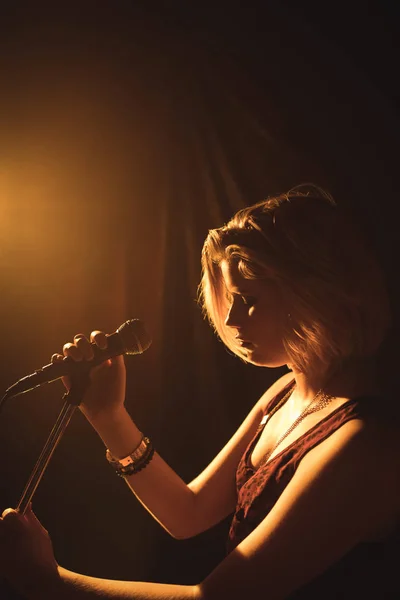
point(233, 316)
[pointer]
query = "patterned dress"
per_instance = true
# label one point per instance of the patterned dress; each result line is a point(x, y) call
point(369, 570)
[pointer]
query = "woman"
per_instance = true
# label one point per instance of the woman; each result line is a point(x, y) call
point(311, 475)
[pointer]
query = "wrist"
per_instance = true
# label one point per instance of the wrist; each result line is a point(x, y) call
point(107, 416)
point(118, 432)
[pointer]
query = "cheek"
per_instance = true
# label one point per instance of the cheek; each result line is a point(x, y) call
point(272, 312)
point(270, 324)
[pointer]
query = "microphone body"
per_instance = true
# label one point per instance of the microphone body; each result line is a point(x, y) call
point(130, 338)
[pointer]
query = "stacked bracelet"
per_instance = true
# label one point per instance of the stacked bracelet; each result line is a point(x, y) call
point(134, 462)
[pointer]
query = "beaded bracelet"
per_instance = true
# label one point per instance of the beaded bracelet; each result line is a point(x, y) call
point(134, 468)
point(134, 462)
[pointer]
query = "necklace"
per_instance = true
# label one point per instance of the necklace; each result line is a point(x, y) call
point(320, 401)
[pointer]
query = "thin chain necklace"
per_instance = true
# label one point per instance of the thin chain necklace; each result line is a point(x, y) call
point(320, 401)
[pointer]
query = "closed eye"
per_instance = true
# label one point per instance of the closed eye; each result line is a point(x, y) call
point(248, 300)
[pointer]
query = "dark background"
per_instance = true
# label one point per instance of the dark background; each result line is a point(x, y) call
point(128, 129)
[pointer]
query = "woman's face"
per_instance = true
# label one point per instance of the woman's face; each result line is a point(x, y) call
point(257, 315)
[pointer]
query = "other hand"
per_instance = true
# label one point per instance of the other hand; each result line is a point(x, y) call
point(26, 553)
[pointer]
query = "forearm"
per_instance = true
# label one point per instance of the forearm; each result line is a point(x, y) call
point(117, 430)
point(73, 586)
point(163, 493)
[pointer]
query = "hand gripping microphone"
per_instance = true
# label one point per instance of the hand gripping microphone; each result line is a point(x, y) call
point(130, 338)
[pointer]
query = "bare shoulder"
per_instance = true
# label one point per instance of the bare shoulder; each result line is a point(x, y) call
point(274, 389)
point(373, 442)
point(363, 450)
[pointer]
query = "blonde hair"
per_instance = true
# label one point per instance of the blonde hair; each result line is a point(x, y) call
point(332, 284)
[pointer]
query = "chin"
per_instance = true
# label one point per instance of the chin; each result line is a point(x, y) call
point(257, 359)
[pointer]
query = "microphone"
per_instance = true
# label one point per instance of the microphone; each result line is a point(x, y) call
point(131, 338)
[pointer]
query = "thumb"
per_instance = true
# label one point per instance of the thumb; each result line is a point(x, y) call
point(12, 521)
point(9, 513)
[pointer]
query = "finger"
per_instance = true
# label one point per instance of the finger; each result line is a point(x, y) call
point(57, 358)
point(12, 521)
point(99, 338)
point(84, 346)
point(72, 351)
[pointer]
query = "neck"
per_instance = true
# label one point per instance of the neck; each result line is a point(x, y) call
point(353, 379)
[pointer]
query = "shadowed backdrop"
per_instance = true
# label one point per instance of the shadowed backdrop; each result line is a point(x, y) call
point(128, 130)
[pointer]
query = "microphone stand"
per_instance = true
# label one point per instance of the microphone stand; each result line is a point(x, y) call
point(79, 385)
point(73, 398)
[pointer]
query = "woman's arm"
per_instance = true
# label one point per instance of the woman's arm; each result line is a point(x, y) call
point(184, 510)
point(73, 586)
point(342, 490)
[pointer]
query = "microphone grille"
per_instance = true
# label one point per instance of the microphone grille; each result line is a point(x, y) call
point(134, 336)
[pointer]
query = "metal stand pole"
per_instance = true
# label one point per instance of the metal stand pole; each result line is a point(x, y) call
point(72, 399)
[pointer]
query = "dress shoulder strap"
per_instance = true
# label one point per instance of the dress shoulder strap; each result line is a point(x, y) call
point(279, 399)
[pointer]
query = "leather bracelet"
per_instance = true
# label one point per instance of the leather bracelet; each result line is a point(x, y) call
point(135, 461)
point(132, 469)
point(120, 463)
